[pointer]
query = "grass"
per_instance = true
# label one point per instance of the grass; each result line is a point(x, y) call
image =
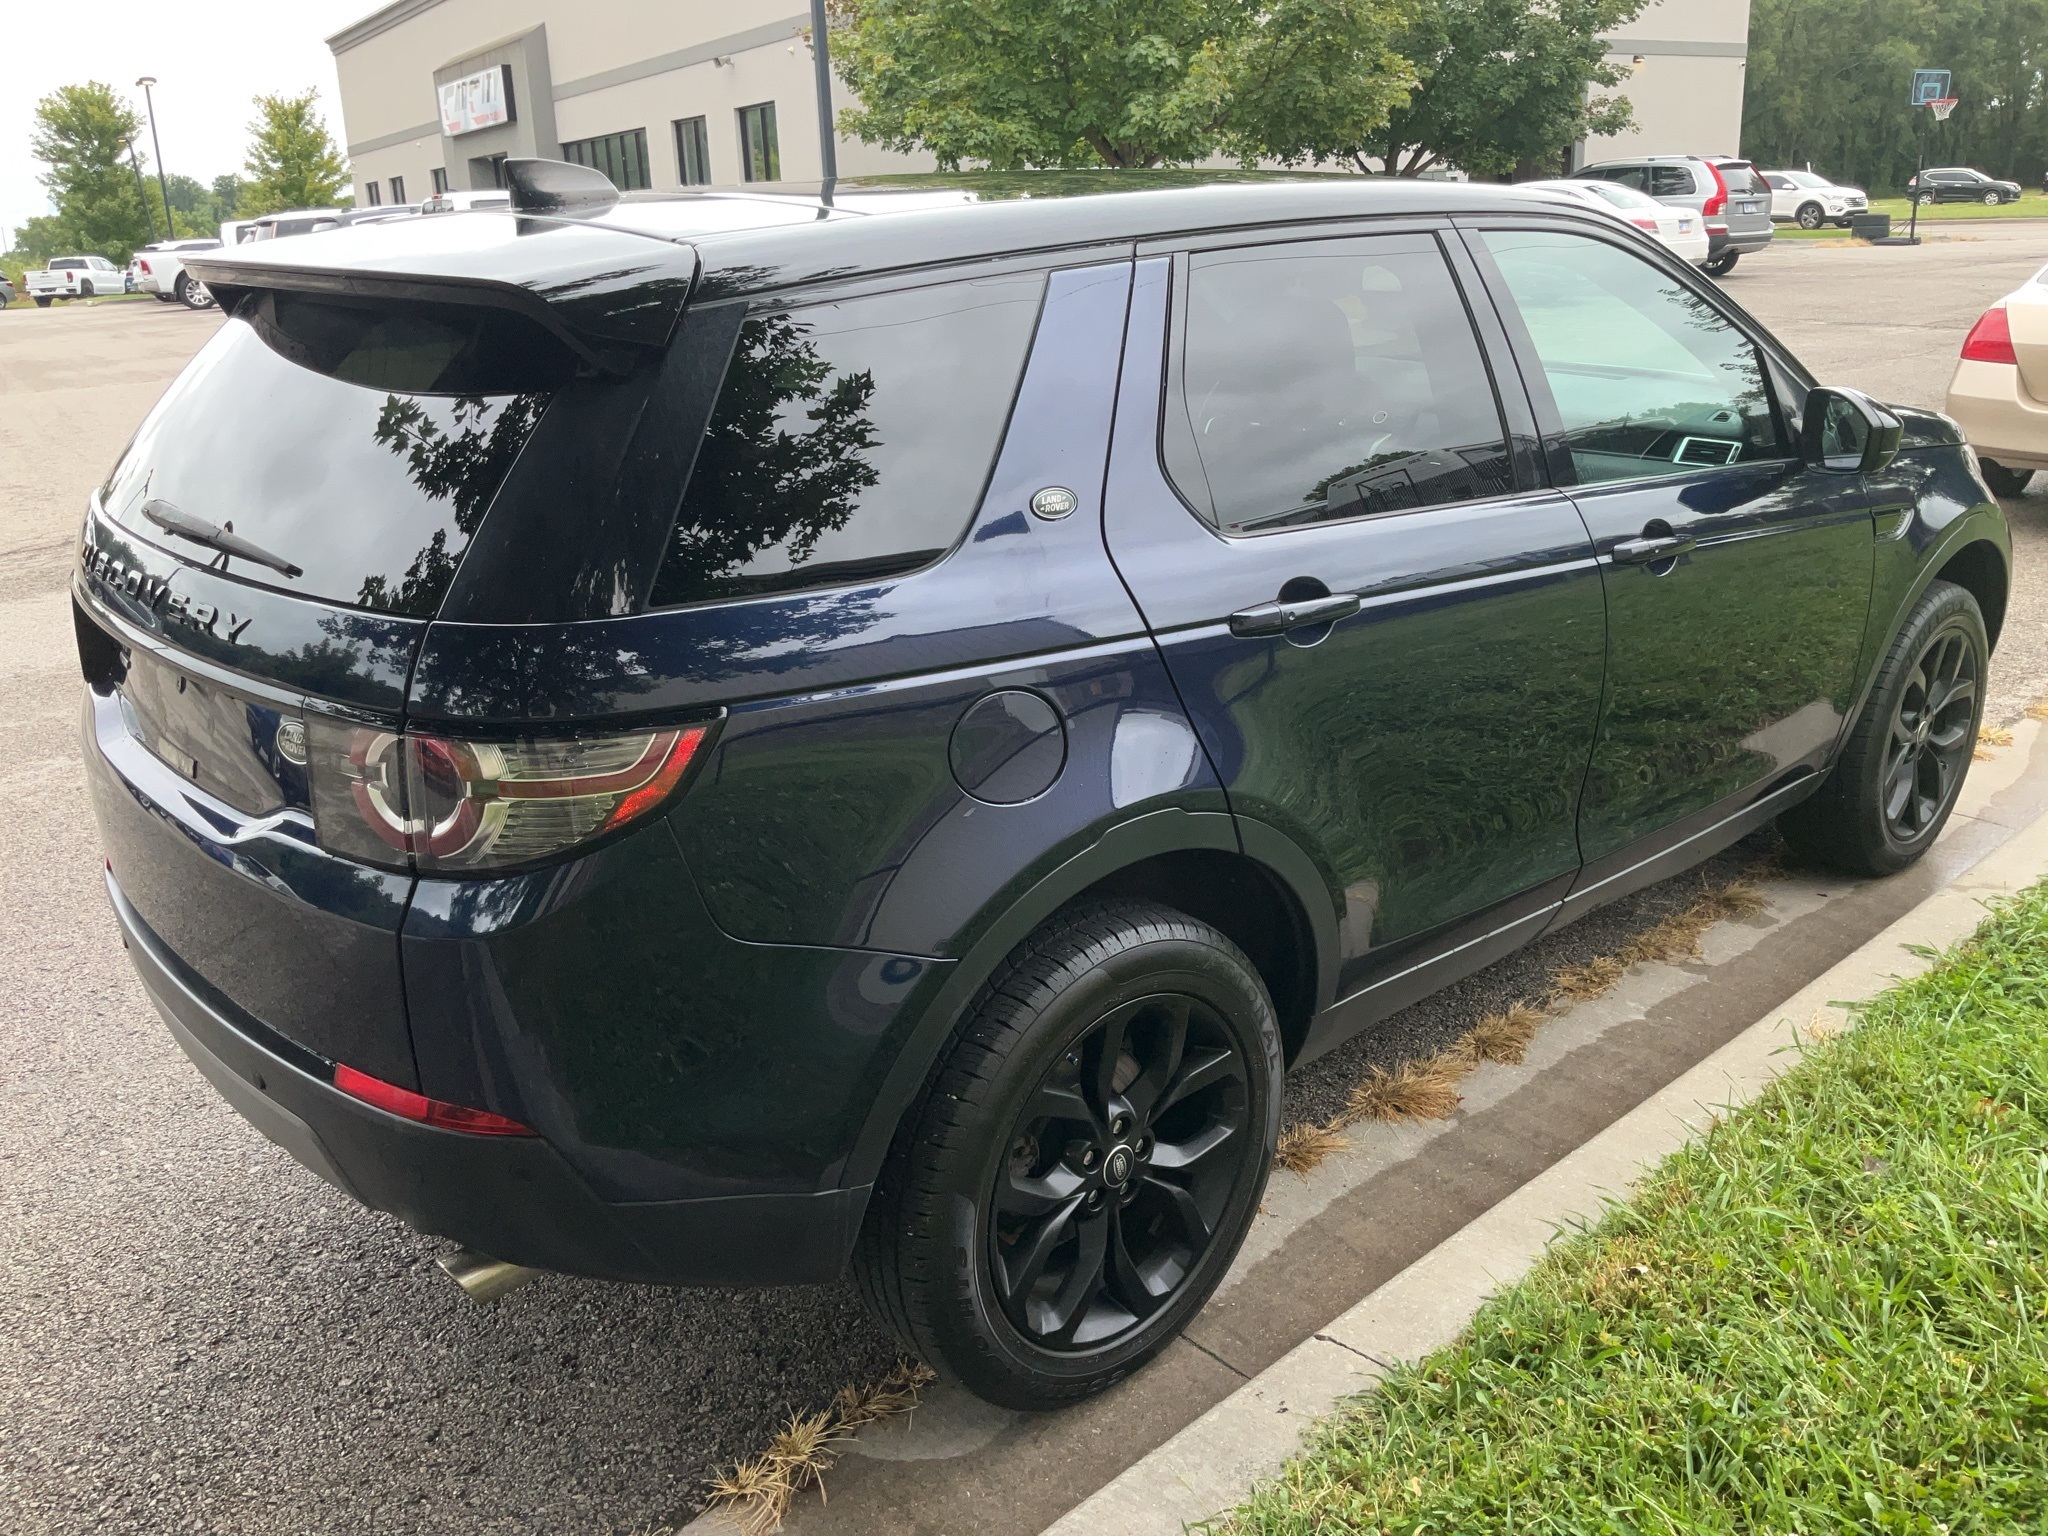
point(1828, 1314)
point(2032, 205)
point(757, 1493)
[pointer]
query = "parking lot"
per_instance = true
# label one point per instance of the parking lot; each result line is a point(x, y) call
point(196, 1334)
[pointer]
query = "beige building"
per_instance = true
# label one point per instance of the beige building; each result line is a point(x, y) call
point(1687, 61)
point(656, 93)
point(671, 93)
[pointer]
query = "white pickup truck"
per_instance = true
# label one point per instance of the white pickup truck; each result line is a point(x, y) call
point(160, 269)
point(73, 277)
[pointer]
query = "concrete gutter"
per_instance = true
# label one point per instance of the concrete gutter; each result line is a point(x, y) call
point(1210, 1465)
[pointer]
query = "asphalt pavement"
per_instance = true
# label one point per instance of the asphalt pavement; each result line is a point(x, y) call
point(196, 1335)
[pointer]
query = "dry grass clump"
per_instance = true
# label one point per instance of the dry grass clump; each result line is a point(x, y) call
point(2038, 710)
point(1415, 1090)
point(1428, 1089)
point(1504, 1037)
point(1990, 736)
point(1304, 1147)
point(757, 1493)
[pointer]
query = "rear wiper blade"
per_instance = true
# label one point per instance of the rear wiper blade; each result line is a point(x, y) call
point(223, 539)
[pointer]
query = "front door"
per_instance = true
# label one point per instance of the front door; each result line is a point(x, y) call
point(1388, 637)
point(1738, 580)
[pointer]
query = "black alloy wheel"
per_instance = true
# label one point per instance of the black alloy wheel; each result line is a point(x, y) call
point(85, 289)
point(1119, 1169)
point(1811, 216)
point(1899, 774)
point(1933, 732)
point(1085, 1159)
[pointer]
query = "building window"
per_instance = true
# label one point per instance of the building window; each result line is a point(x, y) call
point(760, 160)
point(440, 175)
point(487, 171)
point(621, 156)
point(693, 152)
point(397, 190)
point(373, 194)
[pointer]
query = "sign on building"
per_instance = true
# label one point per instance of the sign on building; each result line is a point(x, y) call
point(481, 100)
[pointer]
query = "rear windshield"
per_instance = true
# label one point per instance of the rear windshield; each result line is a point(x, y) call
point(851, 441)
point(67, 264)
point(1740, 178)
point(337, 449)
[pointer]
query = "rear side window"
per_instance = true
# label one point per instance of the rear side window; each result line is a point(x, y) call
point(851, 441)
point(311, 433)
point(1330, 379)
point(1671, 181)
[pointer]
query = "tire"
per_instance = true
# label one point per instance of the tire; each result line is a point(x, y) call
point(1897, 779)
point(85, 290)
point(42, 300)
point(2004, 481)
point(1723, 264)
point(165, 298)
point(974, 1188)
point(1993, 199)
point(1924, 199)
point(1810, 216)
point(194, 294)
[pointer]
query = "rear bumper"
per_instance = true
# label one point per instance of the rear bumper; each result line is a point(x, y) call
point(514, 1198)
point(1999, 418)
point(1741, 241)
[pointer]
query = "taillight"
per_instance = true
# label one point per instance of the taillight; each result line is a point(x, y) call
point(1990, 339)
point(1649, 224)
point(443, 804)
point(145, 268)
point(1718, 202)
point(408, 1105)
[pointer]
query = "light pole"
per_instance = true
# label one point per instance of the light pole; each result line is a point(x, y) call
point(821, 61)
point(135, 165)
point(170, 222)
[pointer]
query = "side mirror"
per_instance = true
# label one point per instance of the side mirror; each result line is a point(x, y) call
point(1846, 431)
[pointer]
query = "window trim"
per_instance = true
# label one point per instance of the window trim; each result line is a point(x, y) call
point(1777, 364)
point(1173, 394)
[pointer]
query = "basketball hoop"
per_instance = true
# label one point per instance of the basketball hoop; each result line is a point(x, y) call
point(1941, 106)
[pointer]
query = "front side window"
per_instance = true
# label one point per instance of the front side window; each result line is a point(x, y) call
point(693, 152)
point(1330, 379)
point(1648, 378)
point(622, 157)
point(851, 441)
point(760, 159)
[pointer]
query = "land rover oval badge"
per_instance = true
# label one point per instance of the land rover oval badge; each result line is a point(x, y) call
point(1054, 503)
point(291, 741)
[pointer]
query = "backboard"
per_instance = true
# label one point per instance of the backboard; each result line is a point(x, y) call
point(1929, 85)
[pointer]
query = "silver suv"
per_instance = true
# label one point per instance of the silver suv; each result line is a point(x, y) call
point(1728, 194)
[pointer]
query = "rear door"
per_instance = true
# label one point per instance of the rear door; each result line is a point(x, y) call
point(1387, 633)
point(1737, 580)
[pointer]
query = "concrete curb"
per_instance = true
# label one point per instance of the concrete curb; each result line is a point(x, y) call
point(1210, 1465)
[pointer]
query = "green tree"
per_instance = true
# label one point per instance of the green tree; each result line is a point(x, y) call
point(1122, 83)
point(292, 162)
point(1506, 83)
point(1827, 85)
point(81, 133)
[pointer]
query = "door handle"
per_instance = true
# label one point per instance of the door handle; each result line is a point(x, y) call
point(1648, 548)
point(1279, 618)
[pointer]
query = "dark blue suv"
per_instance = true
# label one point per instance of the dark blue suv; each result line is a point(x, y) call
point(708, 739)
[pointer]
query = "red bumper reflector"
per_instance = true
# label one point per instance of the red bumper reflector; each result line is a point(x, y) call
point(408, 1105)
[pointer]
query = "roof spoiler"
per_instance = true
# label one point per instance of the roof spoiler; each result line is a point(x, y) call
point(610, 295)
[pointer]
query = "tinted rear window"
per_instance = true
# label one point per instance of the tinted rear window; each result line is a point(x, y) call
point(851, 440)
point(1740, 178)
point(366, 481)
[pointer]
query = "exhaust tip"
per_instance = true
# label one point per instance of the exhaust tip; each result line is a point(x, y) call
point(482, 1277)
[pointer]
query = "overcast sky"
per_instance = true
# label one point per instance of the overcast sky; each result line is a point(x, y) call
point(209, 58)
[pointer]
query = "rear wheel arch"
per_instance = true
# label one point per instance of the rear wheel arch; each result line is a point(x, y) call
point(1263, 889)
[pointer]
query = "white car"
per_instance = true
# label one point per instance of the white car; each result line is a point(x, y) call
point(1999, 394)
point(1679, 230)
point(461, 201)
point(1802, 198)
point(74, 277)
point(160, 269)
